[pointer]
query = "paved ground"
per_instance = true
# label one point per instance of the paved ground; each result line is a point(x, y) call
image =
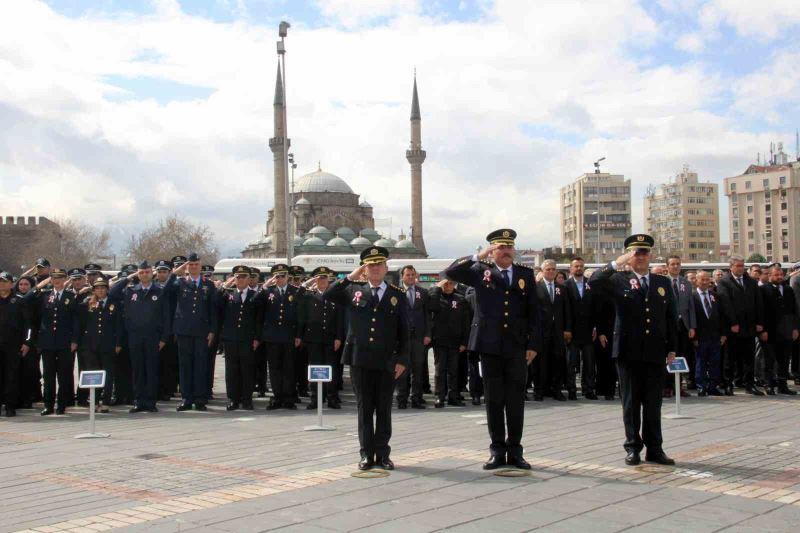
point(738, 470)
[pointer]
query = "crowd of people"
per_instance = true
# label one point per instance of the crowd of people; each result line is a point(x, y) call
point(157, 329)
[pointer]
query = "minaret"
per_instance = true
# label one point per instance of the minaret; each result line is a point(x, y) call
point(416, 156)
point(276, 145)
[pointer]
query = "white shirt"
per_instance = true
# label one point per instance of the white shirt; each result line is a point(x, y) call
point(704, 296)
point(381, 290)
point(645, 277)
point(243, 294)
point(581, 284)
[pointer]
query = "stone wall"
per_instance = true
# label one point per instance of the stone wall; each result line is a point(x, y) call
point(20, 235)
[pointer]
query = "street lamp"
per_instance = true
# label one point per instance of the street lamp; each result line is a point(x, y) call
point(597, 250)
point(292, 224)
point(283, 30)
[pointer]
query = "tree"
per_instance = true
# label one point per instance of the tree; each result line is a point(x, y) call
point(756, 258)
point(170, 237)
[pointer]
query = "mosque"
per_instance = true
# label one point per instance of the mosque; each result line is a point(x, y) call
point(329, 217)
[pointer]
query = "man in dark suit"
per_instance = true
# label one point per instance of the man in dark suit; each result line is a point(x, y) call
point(645, 339)
point(419, 329)
point(450, 334)
point(709, 336)
point(506, 332)
point(239, 334)
point(743, 310)
point(277, 322)
point(56, 308)
point(603, 347)
point(780, 330)
point(581, 348)
point(376, 349)
point(473, 358)
point(682, 291)
point(550, 365)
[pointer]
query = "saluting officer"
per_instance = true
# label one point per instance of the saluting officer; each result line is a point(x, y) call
point(645, 339)
point(79, 286)
point(320, 326)
point(13, 345)
point(506, 332)
point(207, 271)
point(57, 308)
point(147, 325)
point(195, 323)
point(239, 335)
point(376, 349)
point(168, 356)
point(99, 336)
point(261, 354)
point(93, 273)
point(297, 275)
point(277, 321)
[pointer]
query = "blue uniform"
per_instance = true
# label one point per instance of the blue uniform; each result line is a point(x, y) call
point(238, 329)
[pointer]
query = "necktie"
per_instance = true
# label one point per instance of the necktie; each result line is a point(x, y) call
point(100, 306)
point(375, 299)
point(506, 278)
point(643, 284)
point(411, 297)
point(675, 286)
point(550, 290)
point(739, 281)
point(707, 304)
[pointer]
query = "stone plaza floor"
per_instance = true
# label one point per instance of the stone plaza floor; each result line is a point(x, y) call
point(738, 470)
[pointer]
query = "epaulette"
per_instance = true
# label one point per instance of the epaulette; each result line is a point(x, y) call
point(398, 288)
point(486, 263)
point(520, 265)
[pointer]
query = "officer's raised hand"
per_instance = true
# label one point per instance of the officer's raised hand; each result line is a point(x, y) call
point(358, 275)
point(625, 258)
point(489, 250)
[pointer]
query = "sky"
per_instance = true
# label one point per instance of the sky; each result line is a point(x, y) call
point(119, 113)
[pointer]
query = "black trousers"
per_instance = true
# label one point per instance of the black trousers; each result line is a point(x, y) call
point(547, 370)
point(504, 378)
point(323, 354)
point(144, 362)
point(778, 355)
point(281, 371)
point(260, 361)
point(301, 360)
point(413, 378)
point(741, 360)
point(123, 376)
point(475, 378)
point(58, 365)
point(684, 350)
point(193, 369)
point(100, 360)
point(168, 368)
point(10, 359)
point(641, 386)
point(446, 360)
point(30, 378)
point(82, 395)
point(581, 359)
point(373, 388)
point(239, 371)
point(606, 369)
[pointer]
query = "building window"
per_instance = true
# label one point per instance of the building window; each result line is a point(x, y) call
point(765, 182)
point(749, 196)
point(747, 185)
point(785, 245)
point(785, 258)
point(783, 206)
point(782, 180)
point(768, 221)
point(767, 208)
point(784, 219)
point(750, 248)
point(750, 209)
point(749, 222)
point(750, 235)
point(735, 211)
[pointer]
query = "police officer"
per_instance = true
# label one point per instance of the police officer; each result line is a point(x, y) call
point(147, 324)
point(376, 349)
point(80, 287)
point(277, 322)
point(194, 324)
point(168, 356)
point(320, 326)
point(13, 344)
point(57, 308)
point(506, 333)
point(239, 336)
point(260, 353)
point(297, 277)
point(99, 336)
point(93, 273)
point(450, 317)
point(207, 271)
point(645, 339)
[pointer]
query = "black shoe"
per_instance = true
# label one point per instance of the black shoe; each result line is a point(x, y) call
point(10, 411)
point(423, 401)
point(784, 389)
point(247, 406)
point(427, 389)
point(755, 391)
point(366, 463)
point(311, 406)
point(232, 406)
point(538, 397)
point(184, 407)
point(61, 410)
point(136, 409)
point(335, 404)
point(165, 397)
point(200, 407)
point(729, 390)
point(659, 457)
point(559, 396)
point(572, 395)
point(633, 459)
point(701, 393)
point(116, 401)
point(48, 410)
point(713, 391)
point(273, 404)
point(770, 391)
point(416, 404)
point(402, 404)
point(476, 400)
point(290, 406)
point(303, 393)
point(26, 405)
point(384, 463)
point(495, 461)
point(439, 403)
point(519, 462)
point(456, 402)
point(590, 396)
point(262, 394)
point(609, 397)
point(151, 409)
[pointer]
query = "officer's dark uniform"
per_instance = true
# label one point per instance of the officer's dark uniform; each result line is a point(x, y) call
point(473, 358)
point(320, 323)
point(297, 275)
point(13, 334)
point(82, 293)
point(377, 340)
point(505, 325)
point(277, 320)
point(238, 331)
point(419, 327)
point(123, 373)
point(261, 351)
point(450, 331)
point(57, 314)
point(207, 272)
point(98, 334)
point(168, 356)
point(645, 331)
point(147, 324)
point(195, 318)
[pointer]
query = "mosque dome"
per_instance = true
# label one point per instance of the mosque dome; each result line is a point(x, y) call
point(385, 242)
point(321, 181)
point(313, 241)
point(406, 243)
point(322, 232)
point(338, 241)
